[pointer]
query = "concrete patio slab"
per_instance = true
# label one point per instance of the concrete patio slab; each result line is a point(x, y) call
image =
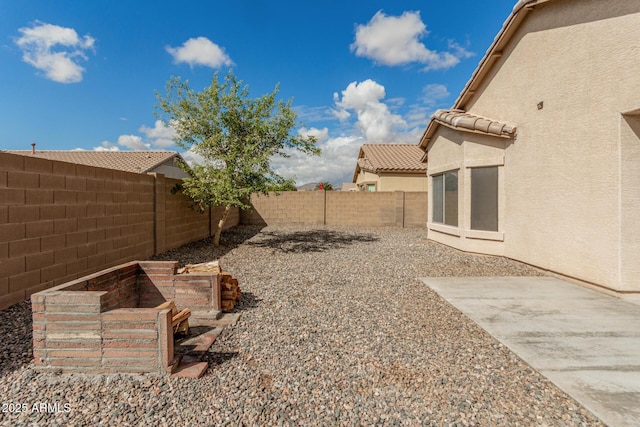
point(584, 341)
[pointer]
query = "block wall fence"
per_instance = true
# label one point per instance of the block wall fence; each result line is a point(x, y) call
point(362, 209)
point(60, 221)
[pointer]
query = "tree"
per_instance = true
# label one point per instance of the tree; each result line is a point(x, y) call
point(285, 185)
point(326, 186)
point(236, 135)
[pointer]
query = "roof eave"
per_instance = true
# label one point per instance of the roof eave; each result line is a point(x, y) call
point(357, 171)
point(493, 53)
point(402, 171)
point(479, 132)
point(512, 23)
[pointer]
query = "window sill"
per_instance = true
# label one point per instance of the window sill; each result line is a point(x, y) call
point(446, 229)
point(485, 235)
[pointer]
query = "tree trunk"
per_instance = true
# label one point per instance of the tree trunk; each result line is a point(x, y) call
point(223, 220)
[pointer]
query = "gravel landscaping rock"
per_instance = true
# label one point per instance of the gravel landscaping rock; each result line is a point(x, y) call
point(335, 330)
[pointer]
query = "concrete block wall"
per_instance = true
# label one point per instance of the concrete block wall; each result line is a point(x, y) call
point(182, 225)
point(363, 209)
point(233, 218)
point(287, 207)
point(60, 221)
point(415, 209)
point(367, 209)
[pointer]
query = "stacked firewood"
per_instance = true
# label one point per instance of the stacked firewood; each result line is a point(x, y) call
point(229, 289)
point(212, 267)
point(179, 320)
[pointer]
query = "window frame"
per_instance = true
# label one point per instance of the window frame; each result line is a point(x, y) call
point(477, 222)
point(443, 218)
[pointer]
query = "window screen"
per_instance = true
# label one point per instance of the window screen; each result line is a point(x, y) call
point(451, 198)
point(438, 207)
point(445, 198)
point(484, 199)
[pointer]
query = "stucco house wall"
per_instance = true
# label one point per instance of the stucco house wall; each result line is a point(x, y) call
point(365, 177)
point(452, 150)
point(393, 182)
point(402, 182)
point(170, 170)
point(570, 179)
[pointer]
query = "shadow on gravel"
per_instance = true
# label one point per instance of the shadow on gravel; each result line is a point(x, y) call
point(204, 251)
point(16, 332)
point(218, 358)
point(248, 301)
point(309, 241)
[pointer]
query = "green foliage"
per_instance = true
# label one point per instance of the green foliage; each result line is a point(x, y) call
point(236, 135)
point(283, 185)
point(326, 186)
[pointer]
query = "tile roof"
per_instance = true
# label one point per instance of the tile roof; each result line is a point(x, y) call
point(458, 119)
point(403, 158)
point(128, 161)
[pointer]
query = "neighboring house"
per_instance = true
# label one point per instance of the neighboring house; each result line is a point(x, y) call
point(308, 187)
point(390, 167)
point(349, 186)
point(539, 158)
point(164, 162)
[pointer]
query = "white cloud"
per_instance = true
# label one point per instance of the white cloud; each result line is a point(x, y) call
point(159, 135)
point(367, 117)
point(200, 51)
point(374, 119)
point(192, 157)
point(313, 114)
point(134, 142)
point(55, 50)
point(395, 40)
point(432, 93)
point(321, 135)
point(336, 164)
point(106, 146)
point(131, 142)
point(431, 98)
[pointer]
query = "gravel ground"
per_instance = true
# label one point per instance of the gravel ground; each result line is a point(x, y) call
point(335, 330)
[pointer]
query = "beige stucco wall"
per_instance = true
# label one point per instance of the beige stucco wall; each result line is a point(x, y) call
point(402, 182)
point(170, 170)
point(365, 177)
point(394, 182)
point(630, 201)
point(570, 177)
point(451, 150)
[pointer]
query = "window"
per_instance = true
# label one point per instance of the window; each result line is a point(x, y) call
point(371, 187)
point(484, 199)
point(445, 198)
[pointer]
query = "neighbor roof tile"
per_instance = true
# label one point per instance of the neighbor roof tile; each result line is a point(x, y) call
point(128, 161)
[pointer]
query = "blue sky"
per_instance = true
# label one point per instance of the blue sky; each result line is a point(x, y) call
point(82, 74)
